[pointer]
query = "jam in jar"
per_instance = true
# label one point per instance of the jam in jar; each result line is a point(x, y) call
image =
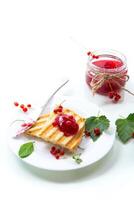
point(106, 71)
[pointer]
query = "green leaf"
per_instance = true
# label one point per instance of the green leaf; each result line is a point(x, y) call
point(77, 158)
point(125, 128)
point(93, 122)
point(26, 149)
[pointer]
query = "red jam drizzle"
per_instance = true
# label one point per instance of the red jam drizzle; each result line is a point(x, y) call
point(67, 124)
point(111, 84)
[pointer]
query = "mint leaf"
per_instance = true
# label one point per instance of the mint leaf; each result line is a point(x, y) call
point(125, 128)
point(93, 122)
point(26, 149)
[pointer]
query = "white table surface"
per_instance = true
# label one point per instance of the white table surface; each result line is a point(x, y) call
point(35, 53)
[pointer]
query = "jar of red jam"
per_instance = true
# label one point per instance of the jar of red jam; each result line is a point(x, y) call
point(106, 71)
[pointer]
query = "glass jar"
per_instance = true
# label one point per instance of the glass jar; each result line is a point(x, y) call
point(106, 71)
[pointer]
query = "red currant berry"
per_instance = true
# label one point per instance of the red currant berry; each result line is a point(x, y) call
point(29, 124)
point(53, 148)
point(71, 117)
point(61, 106)
point(94, 56)
point(89, 53)
point(16, 103)
point(87, 134)
point(29, 105)
point(62, 153)
point(24, 125)
point(68, 123)
point(25, 109)
point(57, 157)
point(97, 131)
point(117, 98)
point(57, 151)
point(59, 109)
point(22, 106)
point(52, 152)
point(54, 124)
point(111, 95)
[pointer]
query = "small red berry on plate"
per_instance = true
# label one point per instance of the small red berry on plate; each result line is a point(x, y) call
point(62, 153)
point(22, 106)
point(52, 152)
point(25, 109)
point(29, 105)
point(97, 131)
point(87, 134)
point(58, 151)
point(53, 148)
point(29, 124)
point(24, 125)
point(94, 56)
point(16, 103)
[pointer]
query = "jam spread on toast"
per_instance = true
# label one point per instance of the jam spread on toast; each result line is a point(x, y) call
point(67, 124)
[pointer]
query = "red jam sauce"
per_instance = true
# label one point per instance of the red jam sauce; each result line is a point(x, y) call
point(108, 64)
point(111, 67)
point(67, 124)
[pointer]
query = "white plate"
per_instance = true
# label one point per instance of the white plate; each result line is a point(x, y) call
point(41, 157)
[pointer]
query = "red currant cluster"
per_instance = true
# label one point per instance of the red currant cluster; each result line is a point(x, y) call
point(93, 56)
point(114, 95)
point(22, 106)
point(57, 153)
point(58, 110)
point(96, 131)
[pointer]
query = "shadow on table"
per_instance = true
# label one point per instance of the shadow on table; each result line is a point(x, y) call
point(91, 172)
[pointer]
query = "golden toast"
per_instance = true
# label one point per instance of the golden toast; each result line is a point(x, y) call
point(44, 129)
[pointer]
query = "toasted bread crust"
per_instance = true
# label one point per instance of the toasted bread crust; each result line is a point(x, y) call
point(44, 129)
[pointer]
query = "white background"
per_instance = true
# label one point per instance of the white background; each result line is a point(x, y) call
point(35, 52)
